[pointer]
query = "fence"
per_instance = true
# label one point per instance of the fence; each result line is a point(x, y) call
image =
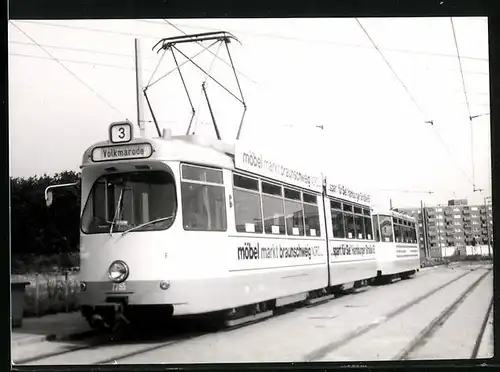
point(50, 293)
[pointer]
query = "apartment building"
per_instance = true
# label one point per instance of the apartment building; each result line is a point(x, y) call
point(454, 225)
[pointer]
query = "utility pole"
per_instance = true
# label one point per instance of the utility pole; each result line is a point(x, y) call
point(439, 236)
point(138, 81)
point(424, 225)
point(487, 226)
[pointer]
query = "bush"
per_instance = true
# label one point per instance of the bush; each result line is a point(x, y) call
point(33, 263)
point(50, 293)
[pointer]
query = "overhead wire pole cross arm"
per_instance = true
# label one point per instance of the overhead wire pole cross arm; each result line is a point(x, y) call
point(205, 48)
point(217, 38)
point(194, 38)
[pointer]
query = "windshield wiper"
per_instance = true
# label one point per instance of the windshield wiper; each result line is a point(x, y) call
point(117, 212)
point(147, 224)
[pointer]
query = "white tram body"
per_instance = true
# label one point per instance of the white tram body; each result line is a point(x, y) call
point(398, 253)
point(189, 225)
point(351, 242)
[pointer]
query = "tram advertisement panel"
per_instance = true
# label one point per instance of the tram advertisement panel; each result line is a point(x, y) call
point(344, 192)
point(279, 166)
point(347, 251)
point(248, 253)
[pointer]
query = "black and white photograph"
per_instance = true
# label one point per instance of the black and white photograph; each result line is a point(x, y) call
point(259, 190)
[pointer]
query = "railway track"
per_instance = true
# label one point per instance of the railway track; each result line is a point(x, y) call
point(133, 345)
point(385, 325)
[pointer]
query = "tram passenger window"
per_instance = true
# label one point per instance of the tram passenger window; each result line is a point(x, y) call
point(203, 207)
point(335, 205)
point(398, 233)
point(272, 204)
point(368, 228)
point(247, 205)
point(376, 228)
point(405, 234)
point(413, 233)
point(311, 215)
point(337, 224)
point(195, 173)
point(349, 226)
point(359, 227)
point(386, 229)
point(294, 213)
point(347, 207)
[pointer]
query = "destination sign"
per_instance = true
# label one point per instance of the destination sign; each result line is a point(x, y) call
point(122, 152)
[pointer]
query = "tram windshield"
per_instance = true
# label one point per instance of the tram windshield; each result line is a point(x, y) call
point(126, 201)
point(385, 224)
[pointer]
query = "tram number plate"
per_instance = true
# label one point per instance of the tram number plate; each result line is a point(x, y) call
point(119, 287)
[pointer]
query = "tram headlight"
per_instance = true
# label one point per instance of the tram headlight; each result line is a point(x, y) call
point(118, 271)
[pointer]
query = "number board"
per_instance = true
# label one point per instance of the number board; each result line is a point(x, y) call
point(121, 132)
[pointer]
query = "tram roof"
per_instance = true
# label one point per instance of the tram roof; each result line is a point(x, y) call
point(188, 148)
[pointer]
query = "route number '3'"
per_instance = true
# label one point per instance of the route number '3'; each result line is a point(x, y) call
point(119, 287)
point(120, 132)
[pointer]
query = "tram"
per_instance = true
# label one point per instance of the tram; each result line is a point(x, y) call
point(398, 253)
point(186, 225)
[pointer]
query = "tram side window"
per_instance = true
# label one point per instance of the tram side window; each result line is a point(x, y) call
point(272, 204)
point(409, 235)
point(406, 234)
point(376, 228)
point(413, 233)
point(337, 219)
point(398, 231)
point(368, 224)
point(247, 204)
point(349, 221)
point(386, 229)
point(294, 213)
point(203, 199)
point(311, 215)
point(359, 223)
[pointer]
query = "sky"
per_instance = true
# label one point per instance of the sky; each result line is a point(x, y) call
point(295, 75)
